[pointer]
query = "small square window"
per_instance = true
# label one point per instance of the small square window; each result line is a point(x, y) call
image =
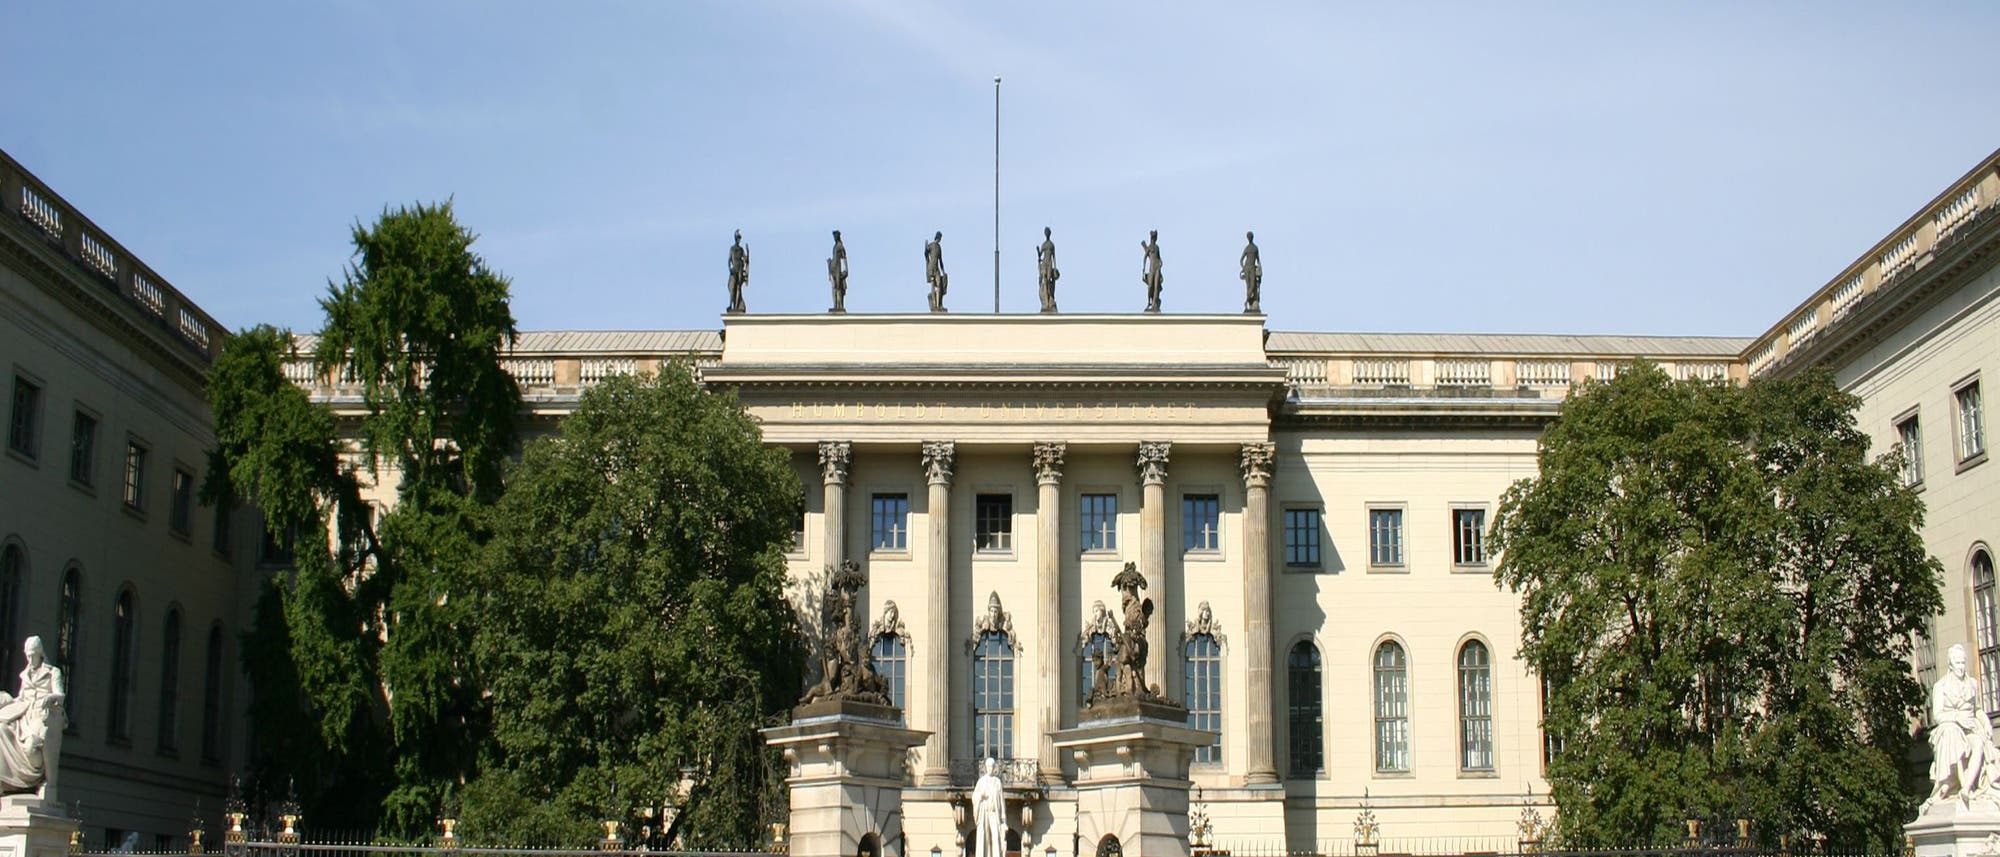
point(1468, 536)
point(277, 550)
point(1971, 422)
point(890, 522)
point(1201, 523)
point(82, 448)
point(1910, 435)
point(1302, 537)
point(993, 522)
point(1098, 530)
point(135, 477)
point(1385, 537)
point(25, 424)
point(180, 518)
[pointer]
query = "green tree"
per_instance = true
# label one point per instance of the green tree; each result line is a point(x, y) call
point(1718, 590)
point(366, 640)
point(634, 630)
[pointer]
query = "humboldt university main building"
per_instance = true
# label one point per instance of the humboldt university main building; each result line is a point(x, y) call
point(1308, 510)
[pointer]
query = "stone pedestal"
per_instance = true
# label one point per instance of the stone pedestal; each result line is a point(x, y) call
point(848, 766)
point(1132, 777)
point(1952, 830)
point(32, 827)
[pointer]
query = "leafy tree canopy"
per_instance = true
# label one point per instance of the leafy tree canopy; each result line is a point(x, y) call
point(1719, 589)
point(634, 630)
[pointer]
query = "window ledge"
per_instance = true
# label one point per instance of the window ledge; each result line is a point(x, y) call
point(1102, 555)
point(88, 489)
point(1205, 555)
point(1388, 569)
point(1482, 774)
point(889, 554)
point(1969, 463)
point(992, 554)
point(180, 535)
point(1394, 775)
point(134, 511)
point(1314, 568)
point(1466, 568)
point(25, 458)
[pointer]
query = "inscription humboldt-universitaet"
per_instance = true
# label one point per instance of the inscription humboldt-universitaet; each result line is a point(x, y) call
point(946, 411)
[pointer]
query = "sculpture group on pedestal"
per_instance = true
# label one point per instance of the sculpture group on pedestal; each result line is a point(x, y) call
point(1128, 681)
point(1964, 763)
point(27, 720)
point(847, 674)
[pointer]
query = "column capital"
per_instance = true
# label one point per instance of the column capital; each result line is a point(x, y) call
point(834, 456)
point(1049, 461)
point(1259, 457)
point(938, 458)
point(1153, 461)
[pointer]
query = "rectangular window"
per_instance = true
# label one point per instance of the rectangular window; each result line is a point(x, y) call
point(1468, 536)
point(180, 517)
point(26, 420)
point(1099, 526)
point(993, 522)
point(1910, 434)
point(220, 538)
point(798, 544)
point(276, 550)
point(890, 522)
point(1201, 523)
point(1204, 693)
point(1971, 428)
point(135, 477)
point(82, 448)
point(1385, 537)
point(1302, 532)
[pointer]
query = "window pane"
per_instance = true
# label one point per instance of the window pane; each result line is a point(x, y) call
point(1201, 517)
point(1971, 427)
point(1468, 538)
point(121, 666)
point(891, 656)
point(1098, 643)
point(1204, 692)
point(1385, 536)
point(890, 522)
point(1985, 619)
point(1303, 710)
point(993, 697)
point(180, 518)
point(993, 522)
point(82, 448)
point(1910, 434)
point(1302, 528)
point(11, 562)
point(1098, 528)
point(1475, 708)
point(26, 417)
point(170, 680)
point(1392, 709)
point(135, 476)
point(211, 699)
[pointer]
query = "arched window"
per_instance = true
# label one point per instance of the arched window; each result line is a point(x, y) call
point(1087, 674)
point(1308, 756)
point(1475, 707)
point(1392, 708)
point(123, 629)
point(892, 659)
point(170, 682)
point(1204, 691)
point(993, 696)
point(13, 564)
point(1987, 624)
point(68, 611)
point(211, 699)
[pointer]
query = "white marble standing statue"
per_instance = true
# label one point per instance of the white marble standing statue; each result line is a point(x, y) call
point(989, 831)
point(27, 720)
point(1962, 753)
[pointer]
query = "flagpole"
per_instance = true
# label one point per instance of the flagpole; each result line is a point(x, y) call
point(996, 194)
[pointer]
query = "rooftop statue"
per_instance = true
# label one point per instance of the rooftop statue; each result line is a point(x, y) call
point(836, 273)
point(1252, 274)
point(28, 720)
point(846, 673)
point(1046, 272)
point(934, 271)
point(739, 272)
point(1149, 270)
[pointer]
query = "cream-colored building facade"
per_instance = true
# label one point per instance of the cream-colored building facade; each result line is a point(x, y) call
point(137, 590)
point(1308, 510)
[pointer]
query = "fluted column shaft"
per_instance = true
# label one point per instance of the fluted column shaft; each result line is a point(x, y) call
point(1048, 600)
point(1153, 554)
point(1260, 753)
point(939, 456)
point(834, 456)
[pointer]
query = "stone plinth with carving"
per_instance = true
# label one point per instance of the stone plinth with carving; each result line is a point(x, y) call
point(1132, 780)
point(845, 777)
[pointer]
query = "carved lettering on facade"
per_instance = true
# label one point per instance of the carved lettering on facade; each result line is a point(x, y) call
point(1003, 411)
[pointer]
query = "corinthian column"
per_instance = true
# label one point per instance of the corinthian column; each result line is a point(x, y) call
point(1260, 754)
point(1153, 553)
point(938, 458)
point(833, 458)
point(1048, 603)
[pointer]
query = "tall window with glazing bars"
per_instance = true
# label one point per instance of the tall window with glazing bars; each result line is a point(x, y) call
point(1475, 707)
point(1303, 711)
point(993, 697)
point(1392, 708)
point(1986, 623)
point(892, 659)
point(1203, 664)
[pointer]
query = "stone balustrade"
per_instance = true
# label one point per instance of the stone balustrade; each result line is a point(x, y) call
point(1935, 232)
point(105, 262)
point(1506, 377)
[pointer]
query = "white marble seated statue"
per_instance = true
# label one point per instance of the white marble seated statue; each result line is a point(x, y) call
point(27, 721)
point(1963, 759)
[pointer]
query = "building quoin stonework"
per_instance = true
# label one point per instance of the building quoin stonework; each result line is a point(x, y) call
point(1307, 510)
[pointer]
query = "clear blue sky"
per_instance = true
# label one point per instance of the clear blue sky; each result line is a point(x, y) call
point(1678, 168)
